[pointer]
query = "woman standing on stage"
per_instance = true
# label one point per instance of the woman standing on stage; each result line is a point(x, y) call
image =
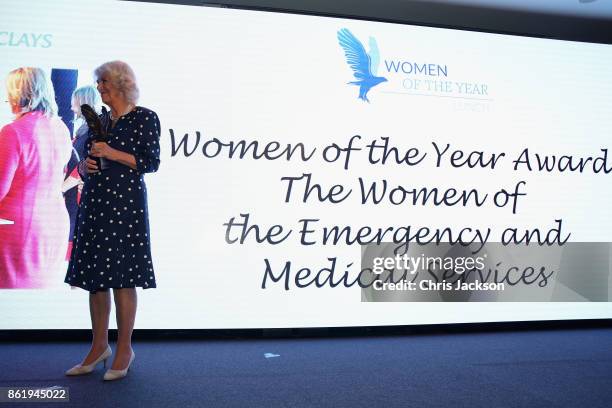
point(112, 240)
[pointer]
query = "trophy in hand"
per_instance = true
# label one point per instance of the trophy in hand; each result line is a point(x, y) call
point(98, 127)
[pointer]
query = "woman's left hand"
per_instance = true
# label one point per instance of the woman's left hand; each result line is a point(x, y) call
point(102, 149)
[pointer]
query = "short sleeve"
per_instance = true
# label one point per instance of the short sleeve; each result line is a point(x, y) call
point(10, 153)
point(147, 146)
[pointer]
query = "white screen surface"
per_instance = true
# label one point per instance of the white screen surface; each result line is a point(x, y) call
point(241, 75)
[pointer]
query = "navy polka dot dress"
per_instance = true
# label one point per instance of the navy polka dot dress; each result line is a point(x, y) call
point(111, 239)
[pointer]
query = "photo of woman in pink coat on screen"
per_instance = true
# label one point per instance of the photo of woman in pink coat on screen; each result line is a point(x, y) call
point(34, 149)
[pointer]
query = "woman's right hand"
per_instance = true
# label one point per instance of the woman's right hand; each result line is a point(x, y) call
point(91, 166)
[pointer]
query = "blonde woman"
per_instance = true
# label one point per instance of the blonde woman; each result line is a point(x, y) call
point(34, 149)
point(112, 240)
point(84, 95)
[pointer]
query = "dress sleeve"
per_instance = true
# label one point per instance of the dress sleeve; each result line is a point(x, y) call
point(147, 146)
point(10, 152)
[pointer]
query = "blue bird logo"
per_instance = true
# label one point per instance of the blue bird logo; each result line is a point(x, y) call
point(364, 65)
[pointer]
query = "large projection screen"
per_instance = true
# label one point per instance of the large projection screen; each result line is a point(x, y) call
point(217, 77)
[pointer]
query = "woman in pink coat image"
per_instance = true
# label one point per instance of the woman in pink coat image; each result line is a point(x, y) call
point(34, 149)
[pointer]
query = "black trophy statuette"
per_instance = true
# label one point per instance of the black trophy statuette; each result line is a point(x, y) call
point(98, 126)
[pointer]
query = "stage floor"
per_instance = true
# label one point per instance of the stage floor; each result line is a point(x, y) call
point(539, 368)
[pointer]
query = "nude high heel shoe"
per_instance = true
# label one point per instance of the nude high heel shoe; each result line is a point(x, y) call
point(81, 369)
point(112, 375)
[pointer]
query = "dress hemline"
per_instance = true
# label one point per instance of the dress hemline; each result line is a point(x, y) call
point(110, 287)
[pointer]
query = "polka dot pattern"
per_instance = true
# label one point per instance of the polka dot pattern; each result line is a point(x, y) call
point(112, 247)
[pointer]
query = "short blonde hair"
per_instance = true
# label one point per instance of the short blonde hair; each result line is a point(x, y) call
point(87, 95)
point(29, 90)
point(122, 77)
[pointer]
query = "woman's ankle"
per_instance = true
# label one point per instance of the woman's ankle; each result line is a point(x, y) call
point(101, 345)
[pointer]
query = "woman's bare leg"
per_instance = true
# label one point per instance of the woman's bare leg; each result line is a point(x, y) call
point(125, 305)
point(99, 310)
